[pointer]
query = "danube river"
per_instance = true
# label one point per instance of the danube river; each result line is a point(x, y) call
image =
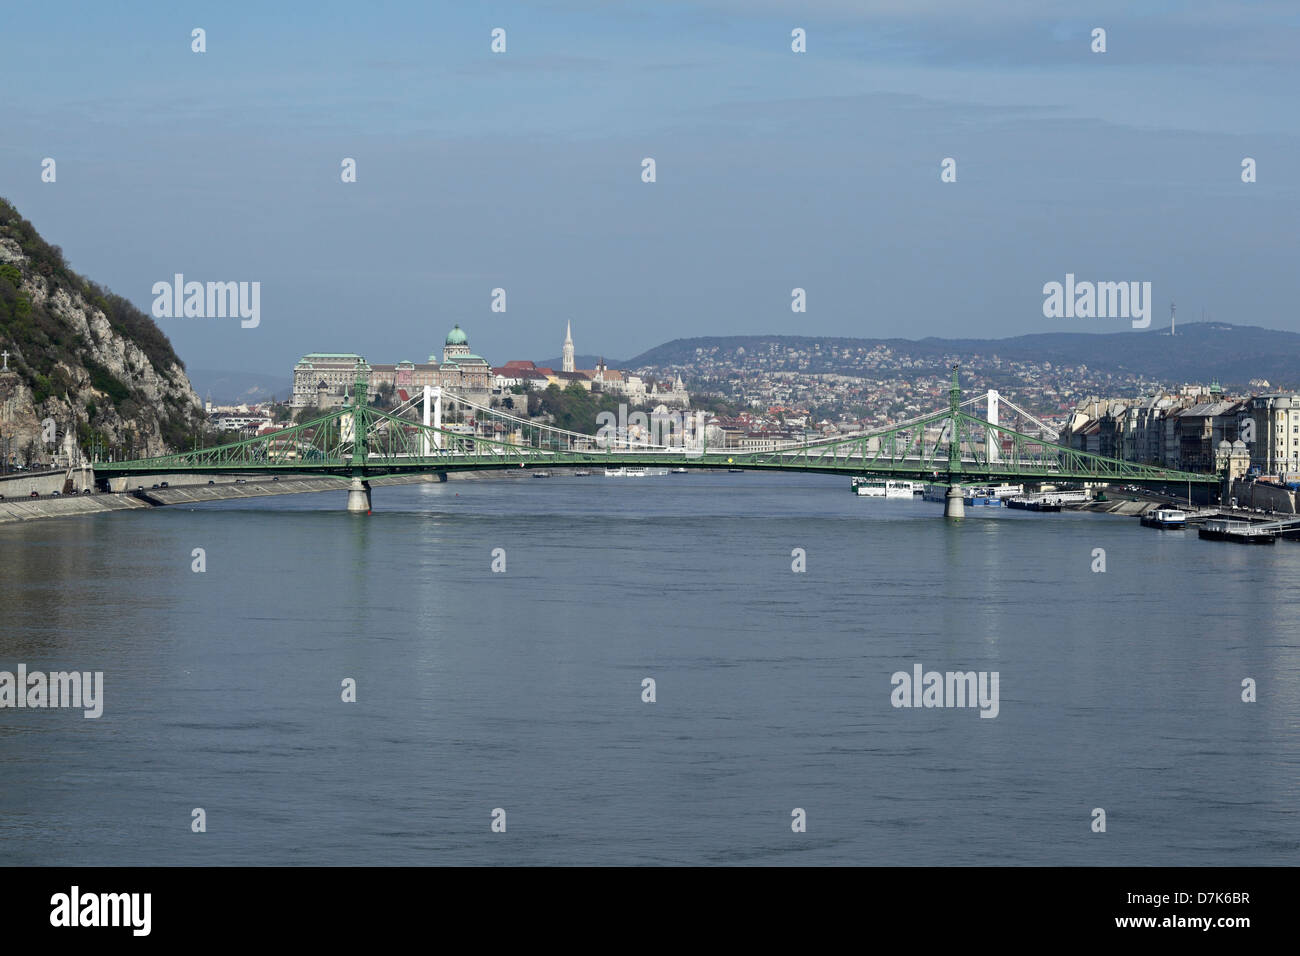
point(522, 690)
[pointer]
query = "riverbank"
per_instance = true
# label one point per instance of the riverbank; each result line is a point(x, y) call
point(68, 506)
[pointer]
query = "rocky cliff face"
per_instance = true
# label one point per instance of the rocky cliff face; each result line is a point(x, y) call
point(85, 367)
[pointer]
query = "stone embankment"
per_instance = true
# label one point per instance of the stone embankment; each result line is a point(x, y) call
point(223, 489)
point(1117, 507)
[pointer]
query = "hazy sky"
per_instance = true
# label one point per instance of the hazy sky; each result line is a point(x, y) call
point(522, 170)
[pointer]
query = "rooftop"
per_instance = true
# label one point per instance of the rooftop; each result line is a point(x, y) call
point(312, 356)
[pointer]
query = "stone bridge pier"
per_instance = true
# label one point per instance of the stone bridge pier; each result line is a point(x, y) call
point(954, 505)
point(359, 496)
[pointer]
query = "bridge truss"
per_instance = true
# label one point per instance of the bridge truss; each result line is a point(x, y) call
point(951, 445)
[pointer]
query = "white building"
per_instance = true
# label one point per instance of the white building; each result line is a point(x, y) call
point(1276, 421)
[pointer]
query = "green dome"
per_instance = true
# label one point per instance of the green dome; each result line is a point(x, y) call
point(457, 337)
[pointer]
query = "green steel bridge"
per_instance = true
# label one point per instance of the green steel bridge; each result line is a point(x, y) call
point(356, 441)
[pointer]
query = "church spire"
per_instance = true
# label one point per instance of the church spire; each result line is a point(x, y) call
point(567, 360)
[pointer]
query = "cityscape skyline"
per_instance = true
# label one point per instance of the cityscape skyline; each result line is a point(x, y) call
point(522, 170)
point(700, 433)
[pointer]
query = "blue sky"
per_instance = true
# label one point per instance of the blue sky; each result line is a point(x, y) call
point(775, 169)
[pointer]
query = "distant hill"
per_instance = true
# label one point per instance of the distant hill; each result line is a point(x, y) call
point(1200, 352)
point(224, 387)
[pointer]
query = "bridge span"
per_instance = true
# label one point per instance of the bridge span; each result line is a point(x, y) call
point(357, 443)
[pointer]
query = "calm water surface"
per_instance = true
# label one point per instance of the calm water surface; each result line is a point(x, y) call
point(522, 690)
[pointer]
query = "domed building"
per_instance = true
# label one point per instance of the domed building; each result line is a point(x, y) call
point(457, 344)
point(458, 369)
point(461, 370)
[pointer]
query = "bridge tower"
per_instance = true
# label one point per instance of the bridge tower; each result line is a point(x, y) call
point(954, 506)
point(993, 449)
point(359, 489)
point(433, 392)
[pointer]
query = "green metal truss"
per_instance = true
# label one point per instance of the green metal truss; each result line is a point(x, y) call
point(948, 446)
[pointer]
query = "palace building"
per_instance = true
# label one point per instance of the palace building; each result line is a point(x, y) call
point(325, 379)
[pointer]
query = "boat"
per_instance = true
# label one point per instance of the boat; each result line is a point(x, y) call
point(625, 472)
point(1047, 500)
point(680, 471)
point(541, 474)
point(738, 471)
point(978, 496)
point(1225, 529)
point(884, 488)
point(983, 497)
point(581, 473)
point(1169, 519)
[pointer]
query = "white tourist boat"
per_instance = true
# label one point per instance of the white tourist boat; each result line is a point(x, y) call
point(1168, 519)
point(885, 488)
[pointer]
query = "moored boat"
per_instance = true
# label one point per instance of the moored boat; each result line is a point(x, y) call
point(1047, 500)
point(885, 488)
point(1225, 529)
point(1169, 519)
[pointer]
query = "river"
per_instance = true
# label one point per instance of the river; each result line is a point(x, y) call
point(522, 690)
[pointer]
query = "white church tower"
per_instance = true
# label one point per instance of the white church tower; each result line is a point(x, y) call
point(567, 362)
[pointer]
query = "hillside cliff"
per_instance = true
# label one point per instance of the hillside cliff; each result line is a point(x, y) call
point(86, 359)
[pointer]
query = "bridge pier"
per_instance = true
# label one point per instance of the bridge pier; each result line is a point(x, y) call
point(954, 506)
point(359, 496)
